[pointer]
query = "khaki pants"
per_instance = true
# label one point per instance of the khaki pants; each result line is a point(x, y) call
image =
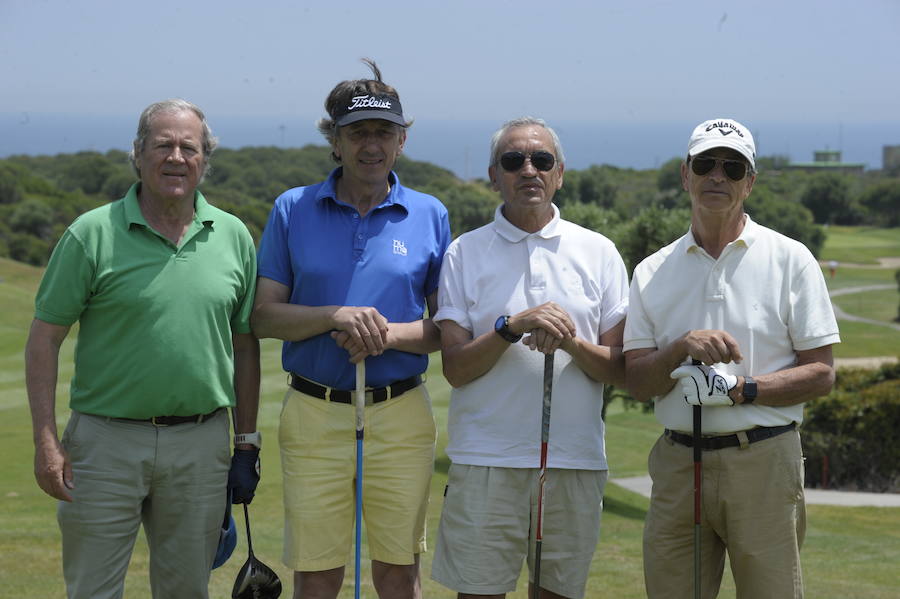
point(752, 506)
point(172, 479)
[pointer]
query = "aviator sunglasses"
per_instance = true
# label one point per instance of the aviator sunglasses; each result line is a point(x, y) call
point(734, 169)
point(513, 161)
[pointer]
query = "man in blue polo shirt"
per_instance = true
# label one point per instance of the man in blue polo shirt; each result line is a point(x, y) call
point(347, 268)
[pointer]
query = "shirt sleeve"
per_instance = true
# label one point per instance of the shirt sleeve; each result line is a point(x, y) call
point(67, 283)
point(451, 291)
point(240, 322)
point(443, 240)
point(274, 251)
point(615, 296)
point(639, 331)
point(811, 320)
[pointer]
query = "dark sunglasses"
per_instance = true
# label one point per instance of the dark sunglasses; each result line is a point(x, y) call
point(734, 169)
point(513, 161)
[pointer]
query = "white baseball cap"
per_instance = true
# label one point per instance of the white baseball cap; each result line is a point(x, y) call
point(723, 133)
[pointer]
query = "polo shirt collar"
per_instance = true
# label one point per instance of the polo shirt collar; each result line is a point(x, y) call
point(203, 212)
point(748, 235)
point(514, 234)
point(396, 196)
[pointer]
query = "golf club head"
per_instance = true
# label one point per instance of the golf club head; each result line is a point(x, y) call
point(256, 580)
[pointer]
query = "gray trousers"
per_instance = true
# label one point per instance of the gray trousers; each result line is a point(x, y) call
point(170, 479)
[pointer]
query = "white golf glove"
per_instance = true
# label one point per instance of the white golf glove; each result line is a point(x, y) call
point(704, 385)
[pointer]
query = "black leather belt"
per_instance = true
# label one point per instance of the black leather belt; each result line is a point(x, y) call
point(173, 420)
point(395, 389)
point(712, 443)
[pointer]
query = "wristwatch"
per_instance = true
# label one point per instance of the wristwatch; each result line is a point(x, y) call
point(749, 390)
point(254, 439)
point(501, 327)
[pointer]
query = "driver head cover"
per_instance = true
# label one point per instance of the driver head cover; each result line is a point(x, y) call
point(227, 541)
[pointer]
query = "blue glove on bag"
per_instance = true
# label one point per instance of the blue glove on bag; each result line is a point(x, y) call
point(243, 475)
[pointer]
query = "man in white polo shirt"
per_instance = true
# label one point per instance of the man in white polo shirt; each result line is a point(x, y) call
point(528, 273)
point(752, 306)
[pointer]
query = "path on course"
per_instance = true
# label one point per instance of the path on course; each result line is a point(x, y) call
point(841, 315)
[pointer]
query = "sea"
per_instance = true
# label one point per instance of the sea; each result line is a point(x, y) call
point(462, 146)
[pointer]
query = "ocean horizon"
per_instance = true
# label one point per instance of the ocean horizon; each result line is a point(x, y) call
point(461, 146)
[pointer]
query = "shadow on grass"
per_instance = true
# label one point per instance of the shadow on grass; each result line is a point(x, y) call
point(623, 509)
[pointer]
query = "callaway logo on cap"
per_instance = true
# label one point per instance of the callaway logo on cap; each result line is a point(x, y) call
point(723, 133)
point(370, 106)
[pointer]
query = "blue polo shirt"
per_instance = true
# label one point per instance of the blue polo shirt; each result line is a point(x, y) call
point(327, 255)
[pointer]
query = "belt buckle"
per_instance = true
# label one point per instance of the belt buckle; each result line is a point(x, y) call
point(157, 424)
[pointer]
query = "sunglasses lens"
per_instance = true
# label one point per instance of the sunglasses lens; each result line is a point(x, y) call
point(512, 161)
point(542, 161)
point(735, 169)
point(702, 166)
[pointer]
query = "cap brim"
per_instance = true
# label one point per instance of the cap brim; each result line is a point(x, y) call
point(362, 115)
point(722, 143)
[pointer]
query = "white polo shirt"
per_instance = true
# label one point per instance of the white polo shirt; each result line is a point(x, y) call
point(765, 290)
point(499, 269)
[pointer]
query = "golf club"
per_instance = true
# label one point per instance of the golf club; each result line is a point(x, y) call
point(360, 432)
point(545, 436)
point(698, 477)
point(255, 580)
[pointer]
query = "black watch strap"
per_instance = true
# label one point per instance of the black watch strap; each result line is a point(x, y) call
point(501, 327)
point(749, 390)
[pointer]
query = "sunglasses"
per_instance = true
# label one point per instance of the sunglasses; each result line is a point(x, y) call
point(734, 169)
point(513, 161)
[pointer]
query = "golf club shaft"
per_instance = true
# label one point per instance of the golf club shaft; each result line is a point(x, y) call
point(698, 480)
point(360, 432)
point(545, 437)
point(247, 524)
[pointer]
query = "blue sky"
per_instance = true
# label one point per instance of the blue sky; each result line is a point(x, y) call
point(825, 63)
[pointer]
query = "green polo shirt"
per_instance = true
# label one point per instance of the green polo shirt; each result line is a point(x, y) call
point(155, 320)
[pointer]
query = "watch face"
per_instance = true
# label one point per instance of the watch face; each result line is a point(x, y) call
point(500, 324)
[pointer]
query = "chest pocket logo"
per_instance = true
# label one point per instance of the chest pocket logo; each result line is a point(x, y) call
point(399, 247)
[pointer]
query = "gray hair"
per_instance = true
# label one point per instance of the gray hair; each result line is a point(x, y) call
point(176, 105)
point(525, 121)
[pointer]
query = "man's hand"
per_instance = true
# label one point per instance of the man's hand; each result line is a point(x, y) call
point(53, 470)
point(704, 385)
point(550, 318)
point(711, 347)
point(243, 475)
point(365, 326)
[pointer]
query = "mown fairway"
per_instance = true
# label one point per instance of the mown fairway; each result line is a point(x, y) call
point(848, 552)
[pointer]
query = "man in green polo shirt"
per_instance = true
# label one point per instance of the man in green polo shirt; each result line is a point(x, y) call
point(161, 284)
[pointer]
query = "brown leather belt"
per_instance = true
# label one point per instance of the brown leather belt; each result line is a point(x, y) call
point(721, 442)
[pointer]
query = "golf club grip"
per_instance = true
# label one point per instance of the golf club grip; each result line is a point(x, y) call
point(698, 481)
point(548, 395)
point(360, 399)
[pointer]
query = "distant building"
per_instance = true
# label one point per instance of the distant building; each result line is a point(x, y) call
point(890, 159)
point(829, 160)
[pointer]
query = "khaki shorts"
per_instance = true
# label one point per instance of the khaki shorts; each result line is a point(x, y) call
point(318, 460)
point(485, 529)
point(752, 505)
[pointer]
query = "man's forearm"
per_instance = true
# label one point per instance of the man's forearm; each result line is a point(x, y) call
point(418, 337)
point(647, 371)
point(601, 363)
point(246, 383)
point(291, 322)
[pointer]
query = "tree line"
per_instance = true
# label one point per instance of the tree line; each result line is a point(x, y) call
point(640, 210)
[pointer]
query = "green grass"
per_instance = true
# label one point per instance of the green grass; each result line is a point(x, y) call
point(848, 550)
point(863, 245)
point(857, 277)
point(859, 340)
point(876, 305)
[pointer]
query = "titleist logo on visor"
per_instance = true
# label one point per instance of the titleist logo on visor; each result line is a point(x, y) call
point(370, 102)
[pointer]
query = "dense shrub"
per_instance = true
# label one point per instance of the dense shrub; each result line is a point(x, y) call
point(850, 438)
